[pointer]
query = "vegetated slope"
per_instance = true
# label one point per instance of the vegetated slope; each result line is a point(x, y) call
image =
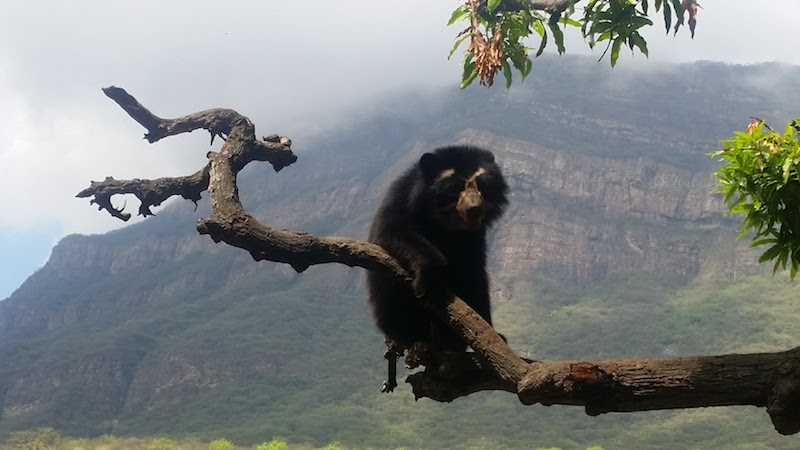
point(612, 248)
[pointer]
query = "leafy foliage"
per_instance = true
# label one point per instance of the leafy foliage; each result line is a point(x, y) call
point(275, 444)
point(35, 439)
point(760, 181)
point(498, 29)
point(163, 443)
point(108, 442)
point(618, 22)
point(221, 444)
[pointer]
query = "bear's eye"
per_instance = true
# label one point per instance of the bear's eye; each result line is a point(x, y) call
point(484, 183)
point(449, 184)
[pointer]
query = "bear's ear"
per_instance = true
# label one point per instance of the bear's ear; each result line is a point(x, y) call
point(429, 164)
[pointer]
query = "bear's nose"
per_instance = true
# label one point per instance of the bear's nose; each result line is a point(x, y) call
point(470, 206)
point(473, 212)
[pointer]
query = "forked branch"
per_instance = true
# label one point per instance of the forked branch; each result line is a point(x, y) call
point(770, 380)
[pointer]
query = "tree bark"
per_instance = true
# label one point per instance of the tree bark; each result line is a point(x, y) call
point(770, 380)
point(550, 5)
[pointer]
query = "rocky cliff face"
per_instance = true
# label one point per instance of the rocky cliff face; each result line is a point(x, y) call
point(580, 217)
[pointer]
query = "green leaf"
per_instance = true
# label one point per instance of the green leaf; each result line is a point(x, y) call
point(457, 44)
point(639, 22)
point(777, 265)
point(763, 242)
point(470, 71)
point(744, 231)
point(558, 35)
point(459, 14)
point(467, 81)
point(771, 253)
point(492, 5)
point(527, 69)
point(667, 16)
point(615, 50)
point(637, 40)
point(781, 260)
point(507, 73)
point(678, 10)
point(570, 22)
point(538, 28)
point(788, 165)
point(542, 45)
point(602, 27)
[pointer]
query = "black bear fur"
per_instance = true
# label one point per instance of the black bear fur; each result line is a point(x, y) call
point(433, 220)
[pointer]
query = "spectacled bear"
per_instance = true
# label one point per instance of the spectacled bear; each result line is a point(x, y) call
point(433, 221)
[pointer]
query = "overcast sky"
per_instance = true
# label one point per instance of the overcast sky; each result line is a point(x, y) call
point(291, 66)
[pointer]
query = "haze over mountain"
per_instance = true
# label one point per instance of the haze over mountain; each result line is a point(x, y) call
point(612, 247)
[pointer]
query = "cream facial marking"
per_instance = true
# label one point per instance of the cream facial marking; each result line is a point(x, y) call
point(473, 178)
point(447, 173)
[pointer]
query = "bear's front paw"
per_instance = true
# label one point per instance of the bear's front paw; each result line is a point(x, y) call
point(429, 282)
point(420, 286)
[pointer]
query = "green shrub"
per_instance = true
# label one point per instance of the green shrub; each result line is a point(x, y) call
point(79, 444)
point(334, 446)
point(221, 444)
point(276, 443)
point(35, 439)
point(761, 181)
point(163, 443)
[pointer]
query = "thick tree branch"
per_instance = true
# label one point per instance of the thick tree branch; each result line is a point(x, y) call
point(219, 122)
point(150, 192)
point(759, 379)
point(771, 380)
point(549, 5)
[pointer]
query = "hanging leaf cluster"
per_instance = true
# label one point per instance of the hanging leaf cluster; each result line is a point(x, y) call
point(691, 7)
point(760, 181)
point(496, 33)
point(499, 29)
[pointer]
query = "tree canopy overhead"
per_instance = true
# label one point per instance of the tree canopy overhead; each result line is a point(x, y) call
point(498, 30)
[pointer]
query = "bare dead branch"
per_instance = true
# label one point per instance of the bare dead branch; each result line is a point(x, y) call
point(149, 192)
point(770, 380)
point(219, 122)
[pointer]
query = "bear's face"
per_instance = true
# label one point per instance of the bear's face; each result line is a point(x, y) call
point(464, 188)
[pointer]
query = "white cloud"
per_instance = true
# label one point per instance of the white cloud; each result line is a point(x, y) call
point(289, 65)
point(280, 63)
